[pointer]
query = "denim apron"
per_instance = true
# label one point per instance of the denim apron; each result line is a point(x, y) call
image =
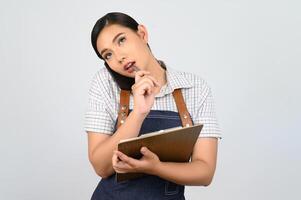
point(148, 187)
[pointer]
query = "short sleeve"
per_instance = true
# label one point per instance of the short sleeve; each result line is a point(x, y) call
point(206, 115)
point(97, 116)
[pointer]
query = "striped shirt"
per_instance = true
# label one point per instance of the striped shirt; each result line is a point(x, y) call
point(103, 101)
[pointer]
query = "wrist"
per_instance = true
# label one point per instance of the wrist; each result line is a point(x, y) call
point(139, 115)
point(155, 170)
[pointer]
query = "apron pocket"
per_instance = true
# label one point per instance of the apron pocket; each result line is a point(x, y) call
point(171, 188)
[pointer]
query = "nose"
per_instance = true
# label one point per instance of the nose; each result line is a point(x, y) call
point(120, 57)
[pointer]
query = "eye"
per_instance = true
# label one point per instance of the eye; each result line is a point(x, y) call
point(107, 56)
point(121, 40)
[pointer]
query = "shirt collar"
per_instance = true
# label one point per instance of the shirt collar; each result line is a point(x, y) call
point(175, 79)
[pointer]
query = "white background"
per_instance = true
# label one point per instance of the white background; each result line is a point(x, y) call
point(248, 52)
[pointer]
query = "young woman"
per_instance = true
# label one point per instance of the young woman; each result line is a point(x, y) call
point(133, 95)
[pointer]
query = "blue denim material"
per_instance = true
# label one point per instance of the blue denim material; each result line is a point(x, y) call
point(148, 187)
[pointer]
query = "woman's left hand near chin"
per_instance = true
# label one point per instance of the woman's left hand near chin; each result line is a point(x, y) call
point(125, 164)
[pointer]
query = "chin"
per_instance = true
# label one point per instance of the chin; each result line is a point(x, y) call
point(128, 75)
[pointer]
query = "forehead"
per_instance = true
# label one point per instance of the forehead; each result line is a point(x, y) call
point(107, 34)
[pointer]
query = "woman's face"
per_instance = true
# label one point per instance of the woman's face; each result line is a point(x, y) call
point(120, 47)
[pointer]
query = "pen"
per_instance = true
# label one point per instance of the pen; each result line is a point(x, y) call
point(136, 69)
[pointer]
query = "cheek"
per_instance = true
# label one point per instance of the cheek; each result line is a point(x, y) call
point(140, 49)
point(113, 65)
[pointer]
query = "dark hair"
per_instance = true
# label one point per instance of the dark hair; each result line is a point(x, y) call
point(122, 19)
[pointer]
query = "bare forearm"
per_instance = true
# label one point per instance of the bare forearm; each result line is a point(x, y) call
point(102, 155)
point(192, 173)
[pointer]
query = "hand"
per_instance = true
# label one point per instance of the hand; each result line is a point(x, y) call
point(144, 92)
point(125, 164)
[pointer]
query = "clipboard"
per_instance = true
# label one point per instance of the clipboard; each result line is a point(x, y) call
point(170, 145)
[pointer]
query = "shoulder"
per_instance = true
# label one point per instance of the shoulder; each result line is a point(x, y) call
point(196, 82)
point(102, 84)
point(102, 76)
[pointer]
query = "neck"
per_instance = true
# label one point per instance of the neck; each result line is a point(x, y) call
point(157, 71)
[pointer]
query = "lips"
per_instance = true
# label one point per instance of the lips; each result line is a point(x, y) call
point(128, 65)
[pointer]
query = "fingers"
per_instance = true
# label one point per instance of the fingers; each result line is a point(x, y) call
point(121, 161)
point(115, 160)
point(128, 164)
point(124, 158)
point(121, 167)
point(117, 164)
point(145, 84)
point(145, 80)
point(146, 152)
point(140, 74)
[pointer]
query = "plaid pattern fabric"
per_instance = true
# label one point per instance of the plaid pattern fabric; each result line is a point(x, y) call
point(103, 101)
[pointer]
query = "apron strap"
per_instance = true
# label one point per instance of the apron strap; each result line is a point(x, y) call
point(182, 109)
point(123, 106)
point(177, 94)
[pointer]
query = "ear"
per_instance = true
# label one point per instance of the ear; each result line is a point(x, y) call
point(142, 32)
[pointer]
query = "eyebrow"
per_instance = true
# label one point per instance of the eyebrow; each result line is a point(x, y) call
point(112, 42)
